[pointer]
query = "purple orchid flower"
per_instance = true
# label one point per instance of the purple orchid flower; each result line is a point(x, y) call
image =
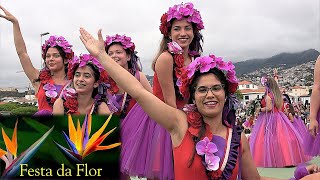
point(49, 87)
point(51, 93)
point(212, 162)
point(206, 147)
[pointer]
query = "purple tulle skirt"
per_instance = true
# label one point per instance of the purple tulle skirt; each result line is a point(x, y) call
point(274, 142)
point(146, 147)
point(43, 112)
point(300, 126)
point(312, 144)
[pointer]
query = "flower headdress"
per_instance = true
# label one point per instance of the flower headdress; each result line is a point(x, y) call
point(82, 61)
point(263, 80)
point(126, 43)
point(204, 64)
point(178, 12)
point(70, 95)
point(58, 41)
point(123, 39)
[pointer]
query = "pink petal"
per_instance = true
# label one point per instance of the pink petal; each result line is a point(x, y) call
point(51, 94)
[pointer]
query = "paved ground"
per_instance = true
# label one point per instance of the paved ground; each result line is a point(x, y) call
point(282, 173)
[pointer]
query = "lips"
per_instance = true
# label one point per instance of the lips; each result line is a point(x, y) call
point(80, 85)
point(211, 104)
point(183, 39)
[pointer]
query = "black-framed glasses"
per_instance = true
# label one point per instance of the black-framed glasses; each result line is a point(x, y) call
point(203, 90)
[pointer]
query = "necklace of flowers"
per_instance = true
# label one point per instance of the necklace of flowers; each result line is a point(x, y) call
point(50, 90)
point(205, 148)
point(114, 89)
point(179, 70)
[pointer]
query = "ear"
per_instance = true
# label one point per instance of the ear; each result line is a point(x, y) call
point(128, 57)
point(96, 84)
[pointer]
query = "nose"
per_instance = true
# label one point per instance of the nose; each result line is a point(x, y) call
point(80, 78)
point(183, 32)
point(210, 93)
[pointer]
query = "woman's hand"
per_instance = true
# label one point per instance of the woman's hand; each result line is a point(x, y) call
point(313, 127)
point(94, 46)
point(8, 16)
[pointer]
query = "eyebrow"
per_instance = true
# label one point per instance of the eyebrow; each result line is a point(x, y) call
point(211, 85)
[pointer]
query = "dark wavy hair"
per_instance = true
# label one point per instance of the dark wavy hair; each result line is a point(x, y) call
point(62, 54)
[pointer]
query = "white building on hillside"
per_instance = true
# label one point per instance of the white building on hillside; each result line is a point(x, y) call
point(250, 91)
point(300, 94)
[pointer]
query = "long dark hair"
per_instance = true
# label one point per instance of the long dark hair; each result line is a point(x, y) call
point(228, 114)
point(62, 54)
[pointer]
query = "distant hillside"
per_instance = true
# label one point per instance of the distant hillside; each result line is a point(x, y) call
point(286, 59)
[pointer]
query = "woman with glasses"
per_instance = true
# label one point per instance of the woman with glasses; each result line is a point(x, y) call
point(206, 143)
point(274, 142)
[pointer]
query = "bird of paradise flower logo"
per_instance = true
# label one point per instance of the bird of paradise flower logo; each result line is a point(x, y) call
point(10, 155)
point(79, 142)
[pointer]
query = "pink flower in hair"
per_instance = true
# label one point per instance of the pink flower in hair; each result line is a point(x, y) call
point(82, 61)
point(58, 41)
point(263, 80)
point(230, 66)
point(191, 68)
point(124, 40)
point(178, 12)
point(204, 64)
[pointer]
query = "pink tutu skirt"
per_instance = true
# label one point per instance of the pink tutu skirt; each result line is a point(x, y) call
point(300, 126)
point(274, 141)
point(146, 147)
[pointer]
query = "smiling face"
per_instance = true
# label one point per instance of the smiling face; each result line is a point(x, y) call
point(209, 95)
point(84, 80)
point(119, 55)
point(54, 60)
point(182, 33)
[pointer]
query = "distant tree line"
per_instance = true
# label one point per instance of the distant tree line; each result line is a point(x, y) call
point(18, 109)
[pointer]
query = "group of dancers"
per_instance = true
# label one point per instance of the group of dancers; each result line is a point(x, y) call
point(181, 128)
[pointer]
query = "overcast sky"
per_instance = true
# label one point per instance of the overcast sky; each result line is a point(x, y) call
point(236, 30)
